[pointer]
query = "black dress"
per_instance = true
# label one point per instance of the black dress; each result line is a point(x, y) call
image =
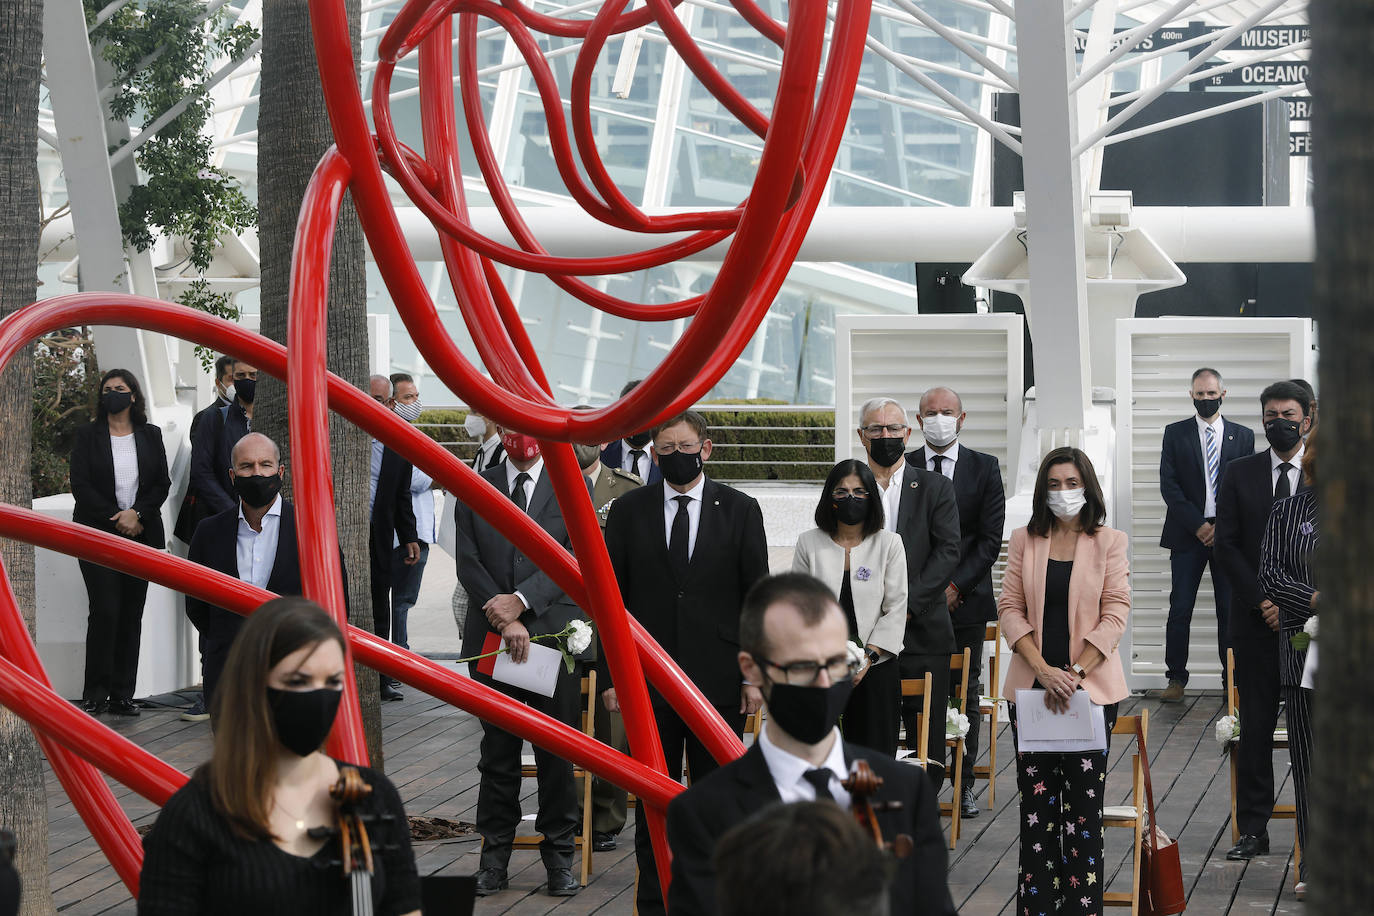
point(870, 716)
point(194, 864)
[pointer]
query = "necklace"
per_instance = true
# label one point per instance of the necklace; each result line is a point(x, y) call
point(300, 821)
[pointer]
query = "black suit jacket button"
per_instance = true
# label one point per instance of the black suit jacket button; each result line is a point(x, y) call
point(680, 594)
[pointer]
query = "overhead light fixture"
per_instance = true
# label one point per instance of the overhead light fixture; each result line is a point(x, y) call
point(1109, 211)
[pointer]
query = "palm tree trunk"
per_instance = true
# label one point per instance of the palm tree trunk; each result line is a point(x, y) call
point(293, 133)
point(23, 802)
point(1342, 832)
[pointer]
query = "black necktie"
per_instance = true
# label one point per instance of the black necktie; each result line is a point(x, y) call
point(677, 541)
point(517, 493)
point(635, 455)
point(1283, 487)
point(820, 781)
point(939, 461)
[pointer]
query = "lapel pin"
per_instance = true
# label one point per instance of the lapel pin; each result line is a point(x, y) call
point(715, 502)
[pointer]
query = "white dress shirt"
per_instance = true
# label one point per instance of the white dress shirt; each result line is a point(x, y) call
point(892, 497)
point(375, 472)
point(948, 459)
point(484, 453)
point(787, 769)
point(513, 472)
point(257, 550)
point(627, 461)
point(125, 454)
point(693, 512)
point(1294, 476)
point(1210, 509)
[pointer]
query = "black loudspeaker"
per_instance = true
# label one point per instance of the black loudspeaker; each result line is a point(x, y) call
point(940, 289)
point(448, 895)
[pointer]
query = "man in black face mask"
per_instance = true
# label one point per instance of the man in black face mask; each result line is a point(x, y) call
point(922, 507)
point(685, 553)
point(255, 541)
point(1249, 489)
point(216, 436)
point(792, 641)
point(634, 453)
point(1194, 456)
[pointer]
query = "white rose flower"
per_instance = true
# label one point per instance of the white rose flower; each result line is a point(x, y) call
point(856, 653)
point(1310, 628)
point(1227, 730)
point(956, 723)
point(579, 637)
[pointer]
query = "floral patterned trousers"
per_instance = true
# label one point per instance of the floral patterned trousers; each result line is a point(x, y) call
point(1061, 870)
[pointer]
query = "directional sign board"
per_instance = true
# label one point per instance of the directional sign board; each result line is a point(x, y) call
point(1264, 73)
point(1259, 38)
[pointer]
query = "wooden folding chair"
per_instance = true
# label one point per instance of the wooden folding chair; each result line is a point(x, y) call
point(1281, 812)
point(528, 770)
point(919, 687)
point(990, 709)
point(1132, 817)
point(958, 691)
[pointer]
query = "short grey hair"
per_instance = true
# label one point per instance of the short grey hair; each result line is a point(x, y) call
point(873, 405)
point(380, 378)
point(921, 406)
point(276, 449)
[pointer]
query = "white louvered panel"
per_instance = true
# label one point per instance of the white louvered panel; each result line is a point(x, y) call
point(1156, 358)
point(900, 356)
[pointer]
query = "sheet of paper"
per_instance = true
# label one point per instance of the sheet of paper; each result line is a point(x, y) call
point(1040, 734)
point(539, 673)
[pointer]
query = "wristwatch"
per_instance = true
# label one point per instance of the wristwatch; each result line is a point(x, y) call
point(1078, 670)
point(873, 656)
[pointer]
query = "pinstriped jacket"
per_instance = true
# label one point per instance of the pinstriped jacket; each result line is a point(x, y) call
point(1286, 573)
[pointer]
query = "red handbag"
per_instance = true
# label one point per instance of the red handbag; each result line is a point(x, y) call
point(1161, 872)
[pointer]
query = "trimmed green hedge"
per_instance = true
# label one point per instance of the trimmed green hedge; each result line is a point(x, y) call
point(749, 445)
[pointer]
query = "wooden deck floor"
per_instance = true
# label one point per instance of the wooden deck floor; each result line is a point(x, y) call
point(431, 755)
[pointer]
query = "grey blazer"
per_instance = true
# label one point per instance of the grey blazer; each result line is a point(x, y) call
point(877, 580)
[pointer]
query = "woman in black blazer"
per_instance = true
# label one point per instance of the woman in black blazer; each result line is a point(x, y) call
point(120, 481)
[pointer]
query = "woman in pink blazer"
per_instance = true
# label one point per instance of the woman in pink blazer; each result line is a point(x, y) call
point(1064, 603)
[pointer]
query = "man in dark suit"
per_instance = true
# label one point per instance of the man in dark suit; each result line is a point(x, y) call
point(921, 506)
point(255, 541)
point(1192, 461)
point(633, 454)
point(685, 553)
point(792, 641)
point(982, 512)
point(512, 597)
point(215, 438)
point(1248, 491)
point(391, 515)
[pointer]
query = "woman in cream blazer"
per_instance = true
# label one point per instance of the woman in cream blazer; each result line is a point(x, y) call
point(1064, 603)
point(865, 566)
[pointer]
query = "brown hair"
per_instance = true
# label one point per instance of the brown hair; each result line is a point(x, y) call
point(1309, 459)
point(1092, 516)
point(690, 417)
point(812, 598)
point(242, 767)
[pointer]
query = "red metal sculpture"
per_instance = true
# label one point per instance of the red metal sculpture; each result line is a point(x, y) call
point(763, 234)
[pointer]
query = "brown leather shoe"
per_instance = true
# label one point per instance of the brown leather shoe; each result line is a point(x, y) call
point(1173, 693)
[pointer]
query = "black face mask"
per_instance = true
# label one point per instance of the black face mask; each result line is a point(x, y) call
point(851, 509)
point(638, 440)
point(679, 468)
point(303, 718)
point(1283, 434)
point(245, 389)
point(116, 401)
point(887, 451)
point(257, 491)
point(808, 713)
point(1207, 407)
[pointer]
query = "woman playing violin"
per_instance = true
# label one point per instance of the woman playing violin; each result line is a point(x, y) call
point(243, 835)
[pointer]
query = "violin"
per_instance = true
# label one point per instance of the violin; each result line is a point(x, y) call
point(862, 785)
point(350, 826)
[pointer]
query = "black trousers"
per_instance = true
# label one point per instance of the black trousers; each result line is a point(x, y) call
point(610, 803)
point(676, 740)
point(916, 666)
point(1185, 575)
point(1257, 679)
point(217, 633)
point(498, 793)
point(970, 637)
point(1298, 712)
point(870, 716)
point(114, 629)
point(381, 595)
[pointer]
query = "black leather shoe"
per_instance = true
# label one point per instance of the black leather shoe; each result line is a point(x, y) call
point(967, 806)
point(122, 707)
point(490, 880)
point(562, 883)
point(94, 707)
point(603, 842)
point(1249, 847)
point(390, 694)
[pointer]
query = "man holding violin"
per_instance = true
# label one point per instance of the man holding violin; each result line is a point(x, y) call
point(793, 639)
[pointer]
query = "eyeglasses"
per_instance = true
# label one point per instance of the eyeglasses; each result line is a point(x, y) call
point(687, 448)
point(895, 429)
point(841, 494)
point(804, 674)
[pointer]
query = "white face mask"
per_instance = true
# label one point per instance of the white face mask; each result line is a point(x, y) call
point(940, 430)
point(409, 412)
point(474, 426)
point(226, 392)
point(1065, 504)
